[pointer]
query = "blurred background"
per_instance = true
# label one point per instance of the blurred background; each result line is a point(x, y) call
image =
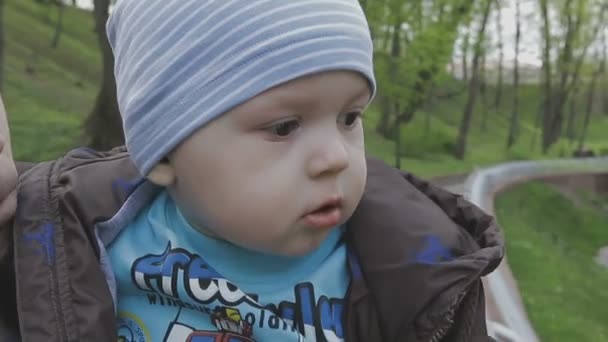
point(463, 84)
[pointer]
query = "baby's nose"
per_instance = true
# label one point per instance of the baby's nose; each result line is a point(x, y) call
point(330, 158)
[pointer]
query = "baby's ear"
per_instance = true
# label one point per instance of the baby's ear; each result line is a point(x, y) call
point(162, 174)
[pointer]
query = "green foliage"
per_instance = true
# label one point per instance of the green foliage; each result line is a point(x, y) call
point(425, 41)
point(428, 154)
point(48, 92)
point(427, 142)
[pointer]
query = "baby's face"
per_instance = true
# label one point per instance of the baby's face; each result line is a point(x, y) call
point(258, 175)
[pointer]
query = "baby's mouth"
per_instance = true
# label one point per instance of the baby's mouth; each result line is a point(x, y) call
point(328, 215)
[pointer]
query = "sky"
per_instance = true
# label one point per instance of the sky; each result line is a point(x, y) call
point(530, 44)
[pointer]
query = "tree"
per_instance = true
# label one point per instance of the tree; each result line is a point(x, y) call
point(103, 127)
point(580, 33)
point(552, 122)
point(383, 127)
point(590, 100)
point(395, 53)
point(514, 122)
point(501, 55)
point(427, 56)
point(412, 51)
point(466, 43)
point(483, 92)
point(570, 125)
point(605, 61)
point(473, 89)
point(547, 103)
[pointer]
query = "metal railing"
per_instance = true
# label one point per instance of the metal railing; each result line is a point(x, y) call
point(480, 188)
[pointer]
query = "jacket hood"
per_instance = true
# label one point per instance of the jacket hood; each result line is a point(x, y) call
point(435, 242)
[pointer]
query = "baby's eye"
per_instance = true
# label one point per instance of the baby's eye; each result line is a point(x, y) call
point(284, 129)
point(349, 119)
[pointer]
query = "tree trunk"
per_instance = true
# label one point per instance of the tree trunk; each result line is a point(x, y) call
point(537, 123)
point(514, 124)
point(383, 125)
point(467, 116)
point(427, 124)
point(397, 140)
point(590, 101)
point(58, 25)
point(394, 60)
point(547, 101)
point(501, 55)
point(465, 57)
point(483, 87)
point(402, 118)
point(386, 41)
point(387, 105)
point(103, 127)
point(605, 61)
point(570, 126)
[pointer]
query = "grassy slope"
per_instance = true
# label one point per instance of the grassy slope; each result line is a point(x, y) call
point(46, 108)
point(551, 245)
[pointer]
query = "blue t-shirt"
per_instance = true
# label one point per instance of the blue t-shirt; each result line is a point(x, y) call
point(176, 284)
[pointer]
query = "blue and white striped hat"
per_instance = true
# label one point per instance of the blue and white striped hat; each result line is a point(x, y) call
point(182, 63)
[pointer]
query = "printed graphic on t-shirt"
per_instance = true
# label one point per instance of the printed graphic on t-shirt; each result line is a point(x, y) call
point(229, 325)
point(202, 306)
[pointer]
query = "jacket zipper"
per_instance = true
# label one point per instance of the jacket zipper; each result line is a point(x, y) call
point(58, 306)
point(443, 329)
point(54, 283)
point(447, 320)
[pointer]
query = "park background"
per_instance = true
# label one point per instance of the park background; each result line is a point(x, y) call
point(463, 84)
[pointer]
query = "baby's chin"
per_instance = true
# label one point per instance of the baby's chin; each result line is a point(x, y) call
point(304, 246)
point(307, 243)
point(292, 249)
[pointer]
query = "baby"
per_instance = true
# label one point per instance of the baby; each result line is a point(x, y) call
point(245, 208)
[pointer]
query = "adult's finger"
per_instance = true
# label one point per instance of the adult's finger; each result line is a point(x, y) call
point(7, 209)
point(8, 184)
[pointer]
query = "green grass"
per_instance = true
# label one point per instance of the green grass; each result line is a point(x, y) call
point(46, 107)
point(551, 244)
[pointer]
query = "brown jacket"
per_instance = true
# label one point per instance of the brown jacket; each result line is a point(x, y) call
point(420, 252)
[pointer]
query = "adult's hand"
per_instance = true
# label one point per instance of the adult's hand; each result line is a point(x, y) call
point(8, 173)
